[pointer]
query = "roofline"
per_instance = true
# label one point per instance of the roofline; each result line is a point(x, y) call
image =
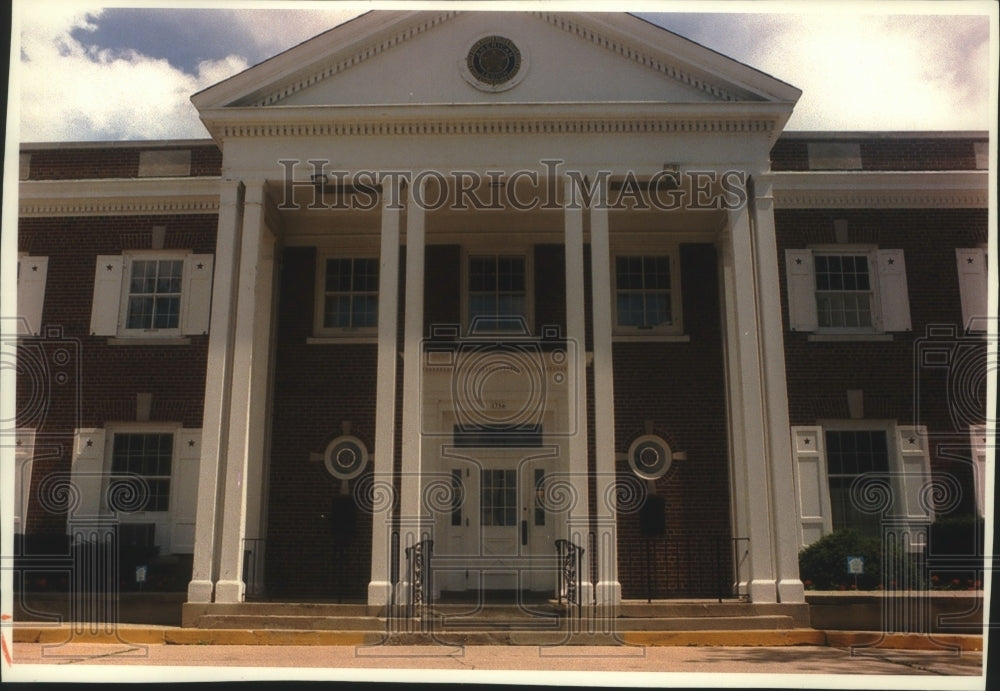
point(123, 144)
point(886, 134)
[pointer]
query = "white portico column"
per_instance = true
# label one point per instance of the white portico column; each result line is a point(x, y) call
point(579, 514)
point(412, 527)
point(218, 381)
point(775, 394)
point(380, 585)
point(609, 589)
point(248, 412)
point(748, 414)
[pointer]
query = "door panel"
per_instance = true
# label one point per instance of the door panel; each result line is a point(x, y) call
point(498, 525)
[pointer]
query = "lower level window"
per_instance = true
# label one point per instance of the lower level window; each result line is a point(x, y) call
point(148, 456)
point(850, 454)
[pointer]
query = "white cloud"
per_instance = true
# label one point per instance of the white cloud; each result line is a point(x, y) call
point(863, 72)
point(71, 93)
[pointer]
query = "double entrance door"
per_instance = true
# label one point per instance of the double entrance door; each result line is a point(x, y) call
point(498, 535)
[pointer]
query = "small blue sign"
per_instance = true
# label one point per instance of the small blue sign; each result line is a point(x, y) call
point(140, 574)
point(855, 565)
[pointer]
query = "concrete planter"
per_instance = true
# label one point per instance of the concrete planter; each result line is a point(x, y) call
point(913, 611)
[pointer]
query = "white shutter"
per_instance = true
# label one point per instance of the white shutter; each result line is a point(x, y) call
point(184, 490)
point(107, 295)
point(88, 473)
point(915, 500)
point(800, 279)
point(197, 295)
point(24, 451)
point(893, 296)
point(972, 285)
point(812, 489)
point(977, 439)
point(31, 275)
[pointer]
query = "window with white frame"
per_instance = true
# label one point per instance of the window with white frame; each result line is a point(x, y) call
point(867, 476)
point(643, 291)
point(847, 290)
point(152, 294)
point(347, 300)
point(497, 296)
point(851, 453)
point(148, 456)
point(843, 291)
point(646, 294)
point(144, 474)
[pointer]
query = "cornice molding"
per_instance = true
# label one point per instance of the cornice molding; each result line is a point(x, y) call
point(628, 52)
point(497, 119)
point(104, 197)
point(880, 190)
point(361, 55)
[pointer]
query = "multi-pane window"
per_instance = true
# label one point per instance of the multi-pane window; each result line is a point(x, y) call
point(497, 292)
point(350, 293)
point(850, 454)
point(498, 498)
point(843, 291)
point(148, 456)
point(154, 294)
point(642, 291)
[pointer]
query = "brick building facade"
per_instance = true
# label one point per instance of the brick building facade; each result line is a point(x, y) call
point(337, 329)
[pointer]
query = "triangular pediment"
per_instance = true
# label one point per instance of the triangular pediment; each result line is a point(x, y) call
point(423, 58)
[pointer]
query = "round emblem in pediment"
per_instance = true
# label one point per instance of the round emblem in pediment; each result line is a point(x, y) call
point(494, 63)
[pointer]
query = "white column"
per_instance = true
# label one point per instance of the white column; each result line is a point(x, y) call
point(741, 501)
point(380, 585)
point(247, 419)
point(579, 515)
point(411, 520)
point(609, 589)
point(784, 515)
point(749, 427)
point(218, 382)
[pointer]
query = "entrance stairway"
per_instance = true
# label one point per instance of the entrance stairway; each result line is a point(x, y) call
point(530, 623)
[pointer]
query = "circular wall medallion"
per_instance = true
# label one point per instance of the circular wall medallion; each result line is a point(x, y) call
point(345, 457)
point(650, 457)
point(494, 63)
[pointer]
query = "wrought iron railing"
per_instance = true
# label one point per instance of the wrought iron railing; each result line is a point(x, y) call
point(418, 565)
point(570, 557)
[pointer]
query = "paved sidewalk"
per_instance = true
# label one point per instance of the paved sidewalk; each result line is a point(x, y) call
point(582, 665)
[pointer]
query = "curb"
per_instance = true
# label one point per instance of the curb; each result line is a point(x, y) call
point(167, 635)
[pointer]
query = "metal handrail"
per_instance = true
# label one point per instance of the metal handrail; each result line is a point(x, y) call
point(570, 557)
point(418, 565)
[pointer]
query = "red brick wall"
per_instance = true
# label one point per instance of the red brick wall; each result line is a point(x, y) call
point(73, 163)
point(680, 388)
point(101, 380)
point(316, 389)
point(895, 385)
point(888, 153)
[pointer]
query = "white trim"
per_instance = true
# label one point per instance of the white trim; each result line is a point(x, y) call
point(32, 273)
point(118, 197)
point(880, 190)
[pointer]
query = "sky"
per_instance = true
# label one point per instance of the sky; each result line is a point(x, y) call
point(89, 72)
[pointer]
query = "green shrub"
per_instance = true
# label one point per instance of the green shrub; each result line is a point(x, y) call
point(823, 564)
